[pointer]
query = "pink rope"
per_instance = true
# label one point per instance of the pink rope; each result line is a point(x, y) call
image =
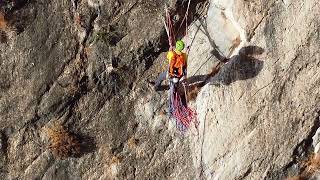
point(171, 30)
point(183, 114)
point(170, 27)
point(171, 33)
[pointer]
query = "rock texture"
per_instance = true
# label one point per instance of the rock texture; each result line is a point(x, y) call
point(86, 65)
point(259, 113)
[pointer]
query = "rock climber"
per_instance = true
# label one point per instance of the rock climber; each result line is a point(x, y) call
point(177, 61)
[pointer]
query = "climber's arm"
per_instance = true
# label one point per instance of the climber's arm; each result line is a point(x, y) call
point(170, 56)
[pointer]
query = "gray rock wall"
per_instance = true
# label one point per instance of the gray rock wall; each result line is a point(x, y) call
point(259, 113)
point(86, 64)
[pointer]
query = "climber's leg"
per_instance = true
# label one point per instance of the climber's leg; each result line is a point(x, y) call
point(161, 78)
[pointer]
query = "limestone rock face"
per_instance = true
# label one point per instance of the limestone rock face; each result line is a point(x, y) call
point(86, 65)
point(259, 112)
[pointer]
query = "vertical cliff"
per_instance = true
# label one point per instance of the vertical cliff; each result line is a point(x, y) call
point(85, 66)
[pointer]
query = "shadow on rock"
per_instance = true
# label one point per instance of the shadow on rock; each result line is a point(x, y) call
point(87, 145)
point(239, 67)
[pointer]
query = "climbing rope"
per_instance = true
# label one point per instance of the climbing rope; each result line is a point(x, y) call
point(169, 25)
point(179, 111)
point(169, 28)
point(182, 113)
point(185, 19)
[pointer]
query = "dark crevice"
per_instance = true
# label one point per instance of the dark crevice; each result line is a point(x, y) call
point(87, 144)
point(196, 10)
point(300, 153)
point(282, 88)
point(9, 6)
point(134, 172)
point(4, 144)
point(82, 90)
point(3, 38)
point(153, 154)
point(246, 174)
point(118, 149)
point(305, 147)
point(115, 62)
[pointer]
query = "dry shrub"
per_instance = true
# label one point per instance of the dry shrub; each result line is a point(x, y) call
point(311, 165)
point(132, 142)
point(115, 160)
point(295, 178)
point(162, 113)
point(3, 22)
point(62, 143)
point(193, 93)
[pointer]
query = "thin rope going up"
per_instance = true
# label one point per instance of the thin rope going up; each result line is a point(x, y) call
point(170, 28)
point(185, 18)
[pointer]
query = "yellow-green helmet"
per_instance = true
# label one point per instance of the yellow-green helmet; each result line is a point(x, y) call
point(179, 45)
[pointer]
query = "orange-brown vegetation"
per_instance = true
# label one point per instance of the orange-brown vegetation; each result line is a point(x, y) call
point(193, 93)
point(3, 22)
point(132, 143)
point(62, 143)
point(115, 160)
point(310, 166)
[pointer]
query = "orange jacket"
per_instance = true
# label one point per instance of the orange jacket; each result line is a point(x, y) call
point(177, 63)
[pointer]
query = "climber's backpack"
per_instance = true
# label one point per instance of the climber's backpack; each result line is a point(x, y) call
point(177, 65)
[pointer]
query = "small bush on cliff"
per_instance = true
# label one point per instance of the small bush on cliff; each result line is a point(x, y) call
point(132, 142)
point(3, 22)
point(312, 164)
point(62, 143)
point(193, 93)
point(310, 167)
point(295, 178)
